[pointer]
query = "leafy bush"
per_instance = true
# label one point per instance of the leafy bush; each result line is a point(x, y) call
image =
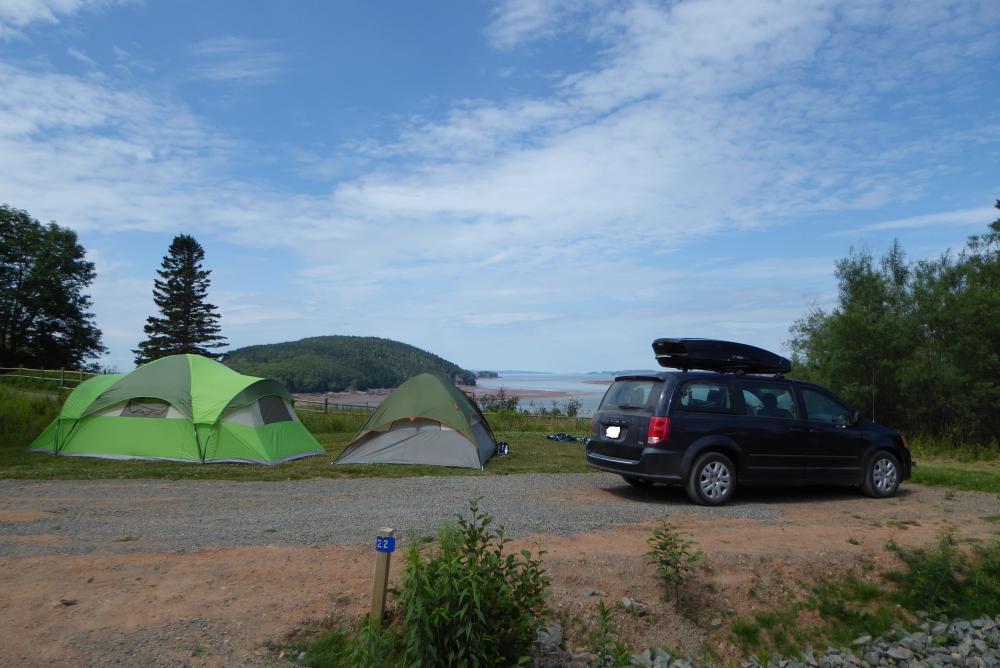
point(468, 603)
point(672, 554)
point(374, 647)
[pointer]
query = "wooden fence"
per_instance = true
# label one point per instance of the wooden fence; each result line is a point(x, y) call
point(67, 378)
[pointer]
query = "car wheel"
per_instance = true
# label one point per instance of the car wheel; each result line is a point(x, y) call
point(882, 475)
point(637, 482)
point(712, 479)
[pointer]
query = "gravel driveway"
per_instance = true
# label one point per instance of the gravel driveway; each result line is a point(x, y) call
point(81, 516)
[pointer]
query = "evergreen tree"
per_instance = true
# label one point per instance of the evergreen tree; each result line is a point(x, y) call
point(188, 324)
point(45, 317)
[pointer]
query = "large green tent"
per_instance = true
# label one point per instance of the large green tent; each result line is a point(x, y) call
point(426, 420)
point(182, 408)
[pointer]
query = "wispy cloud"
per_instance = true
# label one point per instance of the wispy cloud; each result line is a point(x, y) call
point(517, 21)
point(237, 59)
point(961, 218)
point(15, 15)
point(82, 57)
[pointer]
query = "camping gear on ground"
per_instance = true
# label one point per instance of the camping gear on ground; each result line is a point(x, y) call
point(563, 437)
point(181, 408)
point(714, 355)
point(503, 449)
point(426, 420)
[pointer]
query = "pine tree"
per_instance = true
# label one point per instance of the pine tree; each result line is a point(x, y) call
point(188, 324)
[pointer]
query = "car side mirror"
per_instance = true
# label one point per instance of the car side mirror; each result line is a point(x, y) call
point(842, 421)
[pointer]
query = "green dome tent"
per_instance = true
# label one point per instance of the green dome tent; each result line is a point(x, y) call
point(181, 408)
point(426, 420)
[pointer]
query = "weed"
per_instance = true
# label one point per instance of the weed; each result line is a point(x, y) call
point(993, 519)
point(604, 644)
point(125, 539)
point(949, 495)
point(672, 554)
point(853, 541)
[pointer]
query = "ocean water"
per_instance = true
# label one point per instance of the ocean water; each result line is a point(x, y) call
point(582, 387)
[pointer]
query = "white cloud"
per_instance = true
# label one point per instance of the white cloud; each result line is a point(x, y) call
point(517, 21)
point(76, 54)
point(961, 218)
point(16, 15)
point(237, 59)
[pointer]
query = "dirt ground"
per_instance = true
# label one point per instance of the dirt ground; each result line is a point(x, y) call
point(223, 607)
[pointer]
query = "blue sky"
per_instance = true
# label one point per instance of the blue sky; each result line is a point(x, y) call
point(535, 185)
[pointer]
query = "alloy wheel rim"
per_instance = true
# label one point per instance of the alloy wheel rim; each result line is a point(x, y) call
point(884, 475)
point(715, 480)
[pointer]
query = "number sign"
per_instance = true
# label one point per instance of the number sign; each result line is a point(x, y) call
point(385, 544)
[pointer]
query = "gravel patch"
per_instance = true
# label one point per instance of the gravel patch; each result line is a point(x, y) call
point(123, 516)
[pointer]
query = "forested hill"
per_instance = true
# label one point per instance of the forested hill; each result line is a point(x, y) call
point(334, 363)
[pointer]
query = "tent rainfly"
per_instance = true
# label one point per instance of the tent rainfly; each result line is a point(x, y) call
point(184, 408)
point(426, 420)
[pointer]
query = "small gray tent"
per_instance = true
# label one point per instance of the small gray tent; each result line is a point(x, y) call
point(426, 420)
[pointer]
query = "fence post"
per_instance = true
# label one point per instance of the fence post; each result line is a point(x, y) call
point(42, 372)
point(62, 377)
point(326, 405)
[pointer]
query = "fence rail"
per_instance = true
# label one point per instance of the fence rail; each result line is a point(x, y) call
point(67, 378)
point(326, 406)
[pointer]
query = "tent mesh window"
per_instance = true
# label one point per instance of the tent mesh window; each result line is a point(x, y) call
point(274, 409)
point(145, 408)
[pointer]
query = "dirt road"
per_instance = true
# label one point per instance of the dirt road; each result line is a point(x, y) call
point(204, 574)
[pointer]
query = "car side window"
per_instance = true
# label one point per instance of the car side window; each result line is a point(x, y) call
point(823, 408)
point(769, 400)
point(705, 395)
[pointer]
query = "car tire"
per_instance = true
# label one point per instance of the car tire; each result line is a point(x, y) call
point(882, 475)
point(637, 482)
point(712, 479)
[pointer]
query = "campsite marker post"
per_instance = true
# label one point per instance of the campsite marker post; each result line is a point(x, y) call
point(385, 545)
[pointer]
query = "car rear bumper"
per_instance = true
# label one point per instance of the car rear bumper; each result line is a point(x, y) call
point(653, 464)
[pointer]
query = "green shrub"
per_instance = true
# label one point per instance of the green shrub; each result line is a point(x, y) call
point(468, 603)
point(672, 554)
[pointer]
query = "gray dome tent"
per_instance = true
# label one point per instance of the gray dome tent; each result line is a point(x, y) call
point(426, 420)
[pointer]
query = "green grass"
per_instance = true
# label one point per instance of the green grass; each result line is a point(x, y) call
point(951, 449)
point(940, 579)
point(983, 476)
point(24, 415)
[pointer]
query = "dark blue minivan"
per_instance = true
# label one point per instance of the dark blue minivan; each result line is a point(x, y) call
point(709, 430)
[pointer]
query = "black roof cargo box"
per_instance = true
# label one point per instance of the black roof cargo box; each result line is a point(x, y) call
point(714, 355)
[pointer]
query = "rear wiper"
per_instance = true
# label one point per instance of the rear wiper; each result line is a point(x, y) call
point(628, 407)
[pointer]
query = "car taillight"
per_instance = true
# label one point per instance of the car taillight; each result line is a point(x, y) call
point(659, 431)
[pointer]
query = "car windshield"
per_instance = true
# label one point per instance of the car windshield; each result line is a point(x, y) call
point(635, 394)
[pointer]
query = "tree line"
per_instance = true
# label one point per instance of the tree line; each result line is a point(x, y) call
point(916, 345)
point(45, 316)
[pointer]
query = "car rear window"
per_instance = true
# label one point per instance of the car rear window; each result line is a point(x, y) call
point(705, 396)
point(635, 394)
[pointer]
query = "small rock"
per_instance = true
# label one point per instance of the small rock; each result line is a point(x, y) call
point(873, 658)
point(900, 653)
point(587, 591)
point(640, 609)
point(716, 623)
point(68, 601)
point(863, 640)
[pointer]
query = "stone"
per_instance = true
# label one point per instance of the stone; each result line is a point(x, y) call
point(716, 623)
point(900, 653)
point(873, 658)
point(587, 591)
point(550, 635)
point(68, 601)
point(863, 640)
point(640, 609)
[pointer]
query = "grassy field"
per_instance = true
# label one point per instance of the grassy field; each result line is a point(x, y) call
point(23, 416)
point(24, 413)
